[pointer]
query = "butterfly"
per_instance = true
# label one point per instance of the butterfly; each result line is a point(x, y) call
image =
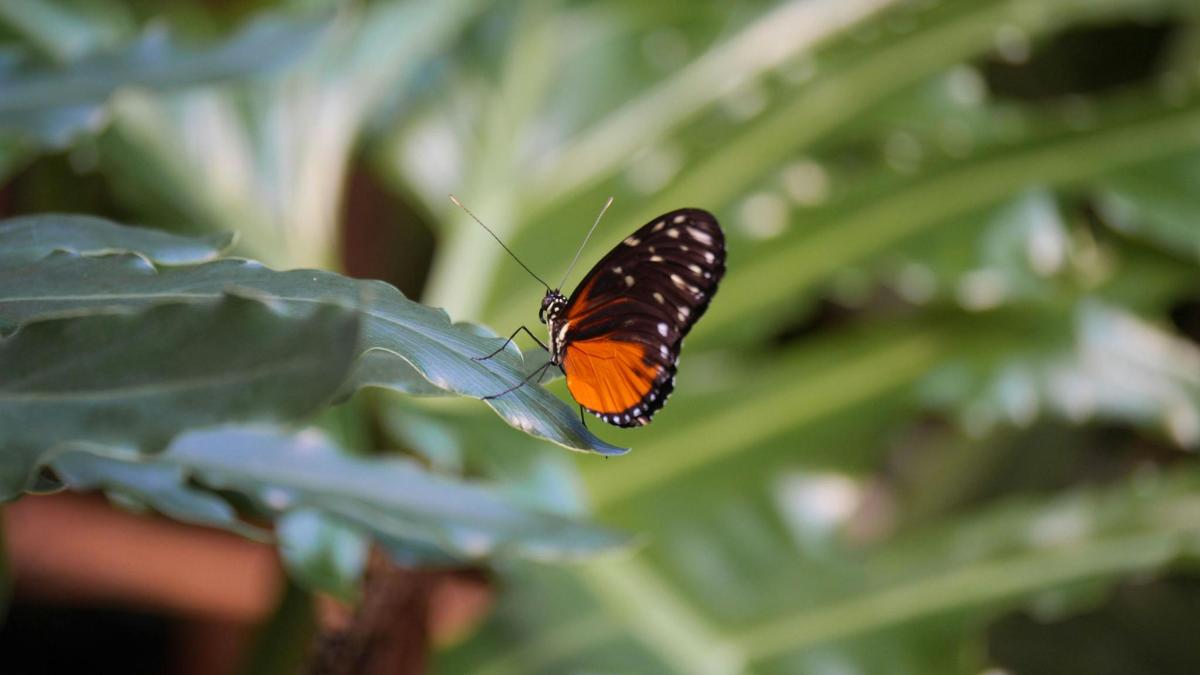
point(617, 337)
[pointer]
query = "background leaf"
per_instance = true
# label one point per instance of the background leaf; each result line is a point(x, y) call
point(24, 240)
point(54, 104)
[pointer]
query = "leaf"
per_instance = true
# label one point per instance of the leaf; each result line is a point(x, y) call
point(395, 499)
point(1156, 202)
point(802, 611)
point(322, 552)
point(864, 224)
point(599, 151)
point(864, 227)
point(135, 377)
point(157, 485)
point(66, 31)
point(846, 380)
point(370, 59)
point(29, 238)
point(324, 501)
point(412, 335)
point(1107, 364)
point(380, 367)
point(55, 104)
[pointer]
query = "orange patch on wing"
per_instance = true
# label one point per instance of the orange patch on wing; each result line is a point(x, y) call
point(608, 376)
point(581, 305)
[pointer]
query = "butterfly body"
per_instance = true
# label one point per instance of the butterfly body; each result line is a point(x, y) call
point(617, 338)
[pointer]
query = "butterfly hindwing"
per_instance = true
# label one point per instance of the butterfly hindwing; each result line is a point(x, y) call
point(629, 315)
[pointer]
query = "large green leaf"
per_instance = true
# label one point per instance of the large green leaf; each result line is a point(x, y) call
point(145, 482)
point(135, 377)
point(849, 80)
point(1157, 202)
point(402, 504)
point(29, 238)
point(54, 104)
point(255, 166)
point(399, 335)
point(794, 28)
point(64, 32)
point(635, 616)
point(1097, 362)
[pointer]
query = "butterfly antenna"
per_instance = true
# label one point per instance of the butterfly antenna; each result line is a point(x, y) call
point(585, 241)
point(489, 231)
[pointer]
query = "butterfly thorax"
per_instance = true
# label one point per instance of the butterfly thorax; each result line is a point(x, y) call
point(554, 314)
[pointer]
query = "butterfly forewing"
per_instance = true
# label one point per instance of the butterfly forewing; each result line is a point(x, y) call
point(629, 315)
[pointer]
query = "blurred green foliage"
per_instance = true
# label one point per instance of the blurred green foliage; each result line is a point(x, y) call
point(941, 414)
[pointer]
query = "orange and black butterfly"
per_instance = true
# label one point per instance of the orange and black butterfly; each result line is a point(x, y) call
point(617, 338)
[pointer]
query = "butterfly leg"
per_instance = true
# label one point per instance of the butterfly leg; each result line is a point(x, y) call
point(539, 372)
point(581, 419)
point(510, 339)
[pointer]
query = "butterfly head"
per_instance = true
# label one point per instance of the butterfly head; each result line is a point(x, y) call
point(553, 306)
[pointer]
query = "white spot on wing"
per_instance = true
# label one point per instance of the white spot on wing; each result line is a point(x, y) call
point(659, 297)
point(629, 280)
point(678, 281)
point(680, 218)
point(662, 329)
point(695, 268)
point(656, 258)
point(617, 269)
point(700, 235)
point(632, 240)
point(673, 233)
point(659, 225)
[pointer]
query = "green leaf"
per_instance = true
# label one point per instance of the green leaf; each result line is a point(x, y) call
point(322, 552)
point(397, 500)
point(401, 337)
point(595, 153)
point(394, 498)
point(29, 238)
point(136, 376)
point(158, 485)
point(864, 226)
point(1156, 202)
point(798, 610)
point(55, 104)
point(325, 501)
point(371, 58)
point(1097, 363)
point(789, 395)
point(66, 31)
